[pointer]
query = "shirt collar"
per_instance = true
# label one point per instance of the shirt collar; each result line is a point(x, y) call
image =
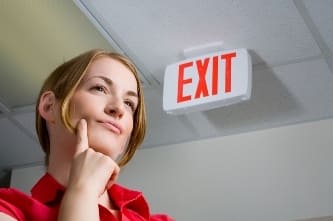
point(129, 199)
point(47, 190)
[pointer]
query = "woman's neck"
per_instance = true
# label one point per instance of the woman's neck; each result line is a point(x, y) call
point(59, 169)
point(60, 160)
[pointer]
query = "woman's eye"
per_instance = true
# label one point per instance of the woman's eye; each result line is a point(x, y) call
point(131, 105)
point(99, 88)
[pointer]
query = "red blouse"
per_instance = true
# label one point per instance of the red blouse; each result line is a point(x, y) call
point(46, 196)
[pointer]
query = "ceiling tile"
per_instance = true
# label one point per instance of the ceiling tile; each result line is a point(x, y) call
point(27, 120)
point(321, 14)
point(273, 30)
point(161, 126)
point(16, 147)
point(284, 95)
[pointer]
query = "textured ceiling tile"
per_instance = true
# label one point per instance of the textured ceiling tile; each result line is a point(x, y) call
point(16, 148)
point(27, 120)
point(322, 16)
point(283, 95)
point(273, 30)
point(163, 128)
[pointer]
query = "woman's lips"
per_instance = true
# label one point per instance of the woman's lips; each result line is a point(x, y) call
point(112, 127)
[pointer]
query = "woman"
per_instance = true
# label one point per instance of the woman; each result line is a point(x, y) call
point(90, 119)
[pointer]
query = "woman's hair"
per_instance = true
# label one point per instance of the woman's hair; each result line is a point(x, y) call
point(64, 81)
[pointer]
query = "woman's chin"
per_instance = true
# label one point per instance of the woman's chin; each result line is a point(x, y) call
point(110, 152)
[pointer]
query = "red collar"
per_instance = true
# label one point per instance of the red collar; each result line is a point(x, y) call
point(48, 191)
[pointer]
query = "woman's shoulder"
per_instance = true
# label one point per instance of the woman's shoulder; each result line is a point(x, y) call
point(11, 201)
point(22, 206)
point(13, 195)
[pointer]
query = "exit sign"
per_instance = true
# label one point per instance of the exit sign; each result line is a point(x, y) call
point(208, 81)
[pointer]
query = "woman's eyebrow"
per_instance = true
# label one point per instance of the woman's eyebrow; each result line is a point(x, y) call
point(132, 94)
point(109, 82)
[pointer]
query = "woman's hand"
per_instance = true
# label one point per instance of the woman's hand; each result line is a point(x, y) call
point(91, 174)
point(91, 171)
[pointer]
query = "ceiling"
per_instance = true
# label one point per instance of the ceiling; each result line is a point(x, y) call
point(290, 43)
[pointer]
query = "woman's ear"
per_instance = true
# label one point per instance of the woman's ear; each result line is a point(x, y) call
point(47, 106)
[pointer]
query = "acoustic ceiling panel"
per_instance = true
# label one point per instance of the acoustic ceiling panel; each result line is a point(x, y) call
point(17, 149)
point(322, 17)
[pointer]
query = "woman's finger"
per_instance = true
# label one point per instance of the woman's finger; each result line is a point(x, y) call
point(82, 137)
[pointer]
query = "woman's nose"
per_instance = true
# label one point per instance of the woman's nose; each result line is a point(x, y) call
point(115, 108)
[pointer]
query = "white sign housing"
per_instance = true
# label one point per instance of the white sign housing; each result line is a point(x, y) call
point(208, 81)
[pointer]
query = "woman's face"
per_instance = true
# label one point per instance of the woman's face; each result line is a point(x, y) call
point(107, 99)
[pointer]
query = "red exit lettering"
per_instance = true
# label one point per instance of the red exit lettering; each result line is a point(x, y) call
point(202, 66)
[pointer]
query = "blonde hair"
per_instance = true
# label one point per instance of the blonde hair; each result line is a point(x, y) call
point(63, 82)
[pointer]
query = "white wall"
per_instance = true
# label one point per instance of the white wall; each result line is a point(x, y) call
point(278, 174)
